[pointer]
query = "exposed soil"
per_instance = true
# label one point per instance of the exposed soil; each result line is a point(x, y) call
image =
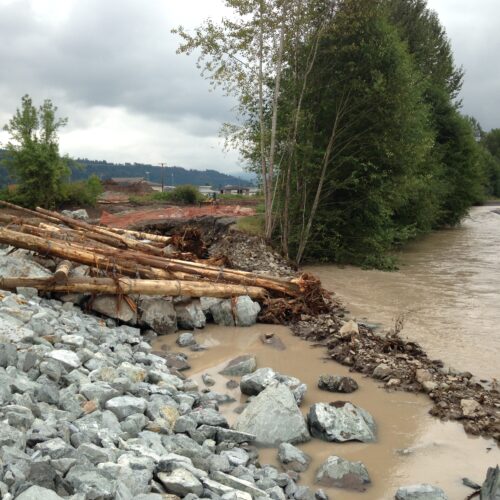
point(152, 216)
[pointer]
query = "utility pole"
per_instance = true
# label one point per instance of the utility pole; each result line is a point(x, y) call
point(162, 177)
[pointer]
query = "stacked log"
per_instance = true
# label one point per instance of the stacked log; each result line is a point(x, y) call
point(133, 262)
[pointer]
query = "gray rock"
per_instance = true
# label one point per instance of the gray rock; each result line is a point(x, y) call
point(246, 311)
point(99, 391)
point(242, 365)
point(68, 359)
point(10, 436)
point(186, 339)
point(382, 371)
point(80, 214)
point(181, 482)
point(337, 383)
point(18, 265)
point(113, 307)
point(8, 355)
point(38, 493)
point(124, 406)
point(221, 311)
point(236, 456)
point(421, 492)
point(190, 315)
point(304, 493)
point(91, 482)
point(159, 314)
point(491, 486)
point(274, 417)
point(341, 421)
point(238, 484)
point(208, 380)
point(254, 383)
point(341, 473)
point(293, 458)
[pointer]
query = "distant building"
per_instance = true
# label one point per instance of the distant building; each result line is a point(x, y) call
point(128, 185)
point(206, 190)
point(235, 190)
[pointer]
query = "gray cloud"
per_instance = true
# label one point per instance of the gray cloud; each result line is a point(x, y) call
point(112, 69)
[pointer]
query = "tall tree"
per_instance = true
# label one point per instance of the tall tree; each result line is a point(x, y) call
point(33, 153)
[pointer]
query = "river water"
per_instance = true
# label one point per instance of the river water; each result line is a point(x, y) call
point(449, 288)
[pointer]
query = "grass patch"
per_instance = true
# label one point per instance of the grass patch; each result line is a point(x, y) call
point(252, 224)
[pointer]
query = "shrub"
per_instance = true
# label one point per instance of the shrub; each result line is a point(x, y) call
point(81, 193)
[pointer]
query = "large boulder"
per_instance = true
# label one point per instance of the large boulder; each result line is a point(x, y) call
point(21, 265)
point(341, 421)
point(190, 315)
point(422, 492)
point(159, 314)
point(246, 311)
point(114, 307)
point(241, 311)
point(341, 473)
point(242, 365)
point(274, 418)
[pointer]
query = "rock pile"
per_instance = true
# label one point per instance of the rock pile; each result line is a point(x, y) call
point(89, 412)
point(403, 365)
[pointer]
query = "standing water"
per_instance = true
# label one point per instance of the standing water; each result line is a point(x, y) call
point(448, 288)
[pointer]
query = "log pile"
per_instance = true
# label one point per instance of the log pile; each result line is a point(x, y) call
point(126, 262)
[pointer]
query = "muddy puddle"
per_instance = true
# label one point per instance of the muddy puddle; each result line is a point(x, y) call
point(435, 452)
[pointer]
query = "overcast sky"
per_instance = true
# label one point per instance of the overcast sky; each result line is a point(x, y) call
point(111, 68)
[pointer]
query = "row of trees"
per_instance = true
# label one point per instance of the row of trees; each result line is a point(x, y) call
point(34, 161)
point(349, 113)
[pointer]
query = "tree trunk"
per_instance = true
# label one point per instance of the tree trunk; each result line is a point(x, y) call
point(127, 286)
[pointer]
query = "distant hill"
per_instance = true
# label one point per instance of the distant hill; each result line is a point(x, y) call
point(172, 175)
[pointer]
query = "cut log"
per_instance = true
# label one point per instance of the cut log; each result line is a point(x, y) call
point(126, 286)
point(79, 224)
point(27, 211)
point(159, 238)
point(62, 271)
point(82, 255)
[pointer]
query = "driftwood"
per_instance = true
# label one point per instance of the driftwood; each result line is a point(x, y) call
point(142, 235)
point(61, 274)
point(126, 286)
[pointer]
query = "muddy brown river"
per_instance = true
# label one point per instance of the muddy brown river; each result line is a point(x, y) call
point(449, 289)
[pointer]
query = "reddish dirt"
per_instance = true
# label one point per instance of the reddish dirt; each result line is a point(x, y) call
point(130, 218)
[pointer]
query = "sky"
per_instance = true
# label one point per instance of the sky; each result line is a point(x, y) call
point(111, 68)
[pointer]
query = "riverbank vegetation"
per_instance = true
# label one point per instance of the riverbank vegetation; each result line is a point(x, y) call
point(351, 118)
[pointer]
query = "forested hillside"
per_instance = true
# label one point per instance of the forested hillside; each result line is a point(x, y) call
point(83, 168)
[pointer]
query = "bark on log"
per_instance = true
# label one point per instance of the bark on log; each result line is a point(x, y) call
point(62, 271)
point(127, 286)
point(27, 211)
point(142, 235)
point(78, 224)
point(75, 253)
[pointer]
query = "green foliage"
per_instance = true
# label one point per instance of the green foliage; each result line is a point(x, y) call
point(33, 157)
point(186, 194)
point(490, 142)
point(252, 224)
point(81, 193)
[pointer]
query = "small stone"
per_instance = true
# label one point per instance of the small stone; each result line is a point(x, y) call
point(420, 492)
point(382, 371)
point(337, 383)
point(181, 482)
point(124, 406)
point(242, 365)
point(469, 407)
point(293, 458)
point(232, 384)
point(422, 375)
point(341, 473)
point(430, 386)
point(186, 339)
point(208, 380)
point(68, 359)
point(38, 493)
point(348, 329)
